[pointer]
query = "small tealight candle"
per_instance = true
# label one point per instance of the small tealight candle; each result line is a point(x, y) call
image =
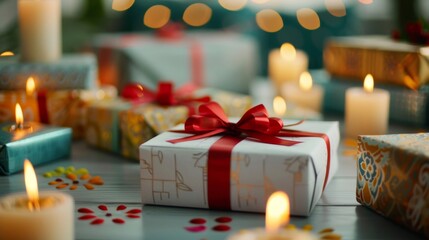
point(306, 95)
point(286, 64)
point(292, 111)
point(276, 218)
point(367, 110)
point(34, 215)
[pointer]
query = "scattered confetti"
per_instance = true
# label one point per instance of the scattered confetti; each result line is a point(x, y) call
point(116, 217)
point(196, 229)
point(200, 222)
point(221, 228)
point(197, 221)
point(72, 178)
point(223, 219)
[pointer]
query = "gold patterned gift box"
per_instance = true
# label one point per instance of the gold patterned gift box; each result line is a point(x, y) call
point(387, 60)
point(393, 178)
point(28, 103)
point(144, 122)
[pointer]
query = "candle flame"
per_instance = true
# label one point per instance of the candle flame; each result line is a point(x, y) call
point(288, 51)
point(279, 105)
point(7, 54)
point(19, 116)
point(368, 83)
point(30, 86)
point(305, 81)
point(31, 183)
point(277, 211)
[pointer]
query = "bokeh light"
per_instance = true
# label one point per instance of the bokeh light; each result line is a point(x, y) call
point(122, 5)
point(157, 16)
point(233, 5)
point(336, 7)
point(197, 14)
point(365, 1)
point(260, 1)
point(308, 18)
point(7, 53)
point(269, 20)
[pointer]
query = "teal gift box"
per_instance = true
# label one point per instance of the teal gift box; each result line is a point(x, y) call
point(37, 142)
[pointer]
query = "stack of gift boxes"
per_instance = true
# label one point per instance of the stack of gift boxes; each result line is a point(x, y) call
point(392, 170)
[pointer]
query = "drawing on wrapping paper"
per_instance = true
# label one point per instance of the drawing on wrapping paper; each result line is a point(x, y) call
point(201, 162)
point(162, 188)
point(295, 166)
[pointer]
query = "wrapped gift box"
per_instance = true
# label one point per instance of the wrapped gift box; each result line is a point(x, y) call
point(75, 71)
point(102, 124)
point(206, 58)
point(387, 60)
point(234, 104)
point(392, 178)
point(28, 103)
point(142, 123)
point(406, 106)
point(178, 174)
point(37, 142)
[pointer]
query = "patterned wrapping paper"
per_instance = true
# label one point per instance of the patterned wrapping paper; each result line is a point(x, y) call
point(177, 175)
point(207, 58)
point(102, 124)
point(73, 71)
point(388, 61)
point(28, 103)
point(393, 178)
point(40, 144)
point(142, 123)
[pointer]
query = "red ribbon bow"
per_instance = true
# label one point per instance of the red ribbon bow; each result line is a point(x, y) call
point(164, 96)
point(255, 125)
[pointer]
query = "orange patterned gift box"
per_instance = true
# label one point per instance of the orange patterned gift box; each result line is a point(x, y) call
point(28, 103)
point(393, 178)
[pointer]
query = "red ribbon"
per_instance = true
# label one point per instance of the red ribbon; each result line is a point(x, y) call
point(42, 105)
point(254, 125)
point(164, 95)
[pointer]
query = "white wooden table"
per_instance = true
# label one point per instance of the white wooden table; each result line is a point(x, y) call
point(337, 208)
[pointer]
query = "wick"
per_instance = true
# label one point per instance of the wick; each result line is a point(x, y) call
point(34, 206)
point(19, 127)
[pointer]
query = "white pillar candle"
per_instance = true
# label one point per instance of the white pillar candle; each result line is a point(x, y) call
point(367, 110)
point(40, 30)
point(286, 64)
point(44, 216)
point(305, 94)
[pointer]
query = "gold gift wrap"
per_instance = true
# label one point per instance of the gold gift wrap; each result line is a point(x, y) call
point(67, 108)
point(393, 178)
point(102, 124)
point(387, 60)
point(143, 122)
point(28, 103)
point(234, 104)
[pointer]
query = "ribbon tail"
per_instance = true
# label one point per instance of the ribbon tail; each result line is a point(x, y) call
point(259, 137)
point(195, 137)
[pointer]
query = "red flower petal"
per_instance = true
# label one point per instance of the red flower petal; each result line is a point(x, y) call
point(87, 217)
point(103, 207)
point(221, 228)
point(196, 229)
point(121, 207)
point(134, 211)
point(223, 219)
point(85, 210)
point(197, 221)
point(97, 221)
point(133, 216)
point(118, 221)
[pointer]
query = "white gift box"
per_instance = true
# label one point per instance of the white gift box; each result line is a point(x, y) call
point(177, 174)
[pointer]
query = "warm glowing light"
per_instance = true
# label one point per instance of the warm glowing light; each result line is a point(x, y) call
point(269, 20)
point(260, 1)
point(305, 81)
point(233, 5)
point(368, 83)
point(277, 211)
point(197, 14)
point(31, 86)
point(19, 117)
point(279, 106)
point(288, 51)
point(365, 1)
point(7, 53)
point(308, 18)
point(31, 183)
point(336, 7)
point(157, 16)
point(122, 5)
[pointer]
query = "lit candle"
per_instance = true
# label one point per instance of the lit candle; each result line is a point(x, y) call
point(44, 216)
point(286, 64)
point(40, 30)
point(367, 110)
point(276, 218)
point(306, 95)
point(292, 111)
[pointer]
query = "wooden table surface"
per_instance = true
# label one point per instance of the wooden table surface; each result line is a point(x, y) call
point(337, 208)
